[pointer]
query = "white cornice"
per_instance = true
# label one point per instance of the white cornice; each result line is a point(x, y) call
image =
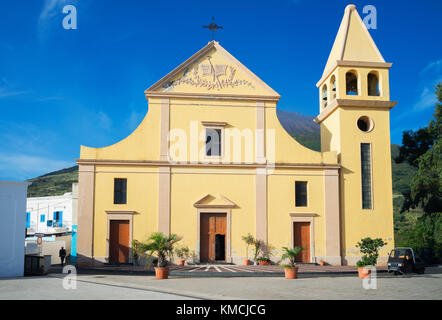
point(348, 103)
point(214, 96)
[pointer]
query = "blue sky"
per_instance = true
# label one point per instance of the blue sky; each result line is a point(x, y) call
point(63, 88)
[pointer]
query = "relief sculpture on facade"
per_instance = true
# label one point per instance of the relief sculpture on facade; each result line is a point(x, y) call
point(210, 76)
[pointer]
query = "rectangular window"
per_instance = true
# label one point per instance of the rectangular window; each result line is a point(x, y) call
point(213, 142)
point(301, 194)
point(58, 219)
point(28, 219)
point(120, 191)
point(42, 218)
point(366, 176)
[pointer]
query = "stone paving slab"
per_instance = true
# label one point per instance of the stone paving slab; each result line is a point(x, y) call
point(99, 285)
point(51, 288)
point(325, 286)
point(222, 270)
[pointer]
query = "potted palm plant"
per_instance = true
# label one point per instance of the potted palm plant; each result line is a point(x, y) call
point(161, 246)
point(264, 261)
point(193, 257)
point(183, 254)
point(250, 241)
point(266, 252)
point(258, 245)
point(290, 269)
point(135, 252)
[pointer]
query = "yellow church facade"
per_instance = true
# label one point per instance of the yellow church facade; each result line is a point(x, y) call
point(211, 163)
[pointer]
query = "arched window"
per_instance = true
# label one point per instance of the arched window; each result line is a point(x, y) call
point(324, 96)
point(333, 87)
point(351, 82)
point(373, 84)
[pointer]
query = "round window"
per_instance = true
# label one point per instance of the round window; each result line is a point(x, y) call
point(365, 124)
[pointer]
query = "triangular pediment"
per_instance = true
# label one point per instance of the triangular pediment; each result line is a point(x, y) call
point(210, 201)
point(353, 42)
point(212, 70)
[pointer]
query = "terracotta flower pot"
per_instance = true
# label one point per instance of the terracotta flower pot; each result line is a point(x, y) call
point(363, 272)
point(264, 263)
point(291, 273)
point(246, 262)
point(181, 262)
point(162, 272)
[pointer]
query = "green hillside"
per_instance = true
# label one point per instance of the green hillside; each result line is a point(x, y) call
point(311, 141)
point(402, 172)
point(53, 184)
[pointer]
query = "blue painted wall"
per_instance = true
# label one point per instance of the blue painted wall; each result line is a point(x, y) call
point(74, 244)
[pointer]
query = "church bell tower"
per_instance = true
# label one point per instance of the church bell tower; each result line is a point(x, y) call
point(354, 109)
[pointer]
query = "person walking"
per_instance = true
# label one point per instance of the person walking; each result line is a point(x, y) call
point(62, 255)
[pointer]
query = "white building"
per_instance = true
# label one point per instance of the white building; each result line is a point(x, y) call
point(56, 218)
point(12, 227)
point(52, 215)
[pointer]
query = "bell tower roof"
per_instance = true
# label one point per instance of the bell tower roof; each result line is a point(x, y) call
point(353, 44)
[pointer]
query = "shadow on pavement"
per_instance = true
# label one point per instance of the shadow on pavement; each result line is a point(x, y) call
point(101, 273)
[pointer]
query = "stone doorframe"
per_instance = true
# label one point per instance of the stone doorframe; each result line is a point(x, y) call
point(228, 231)
point(119, 215)
point(202, 208)
point(304, 217)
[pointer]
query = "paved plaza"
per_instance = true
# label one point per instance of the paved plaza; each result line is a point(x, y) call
point(221, 270)
point(307, 286)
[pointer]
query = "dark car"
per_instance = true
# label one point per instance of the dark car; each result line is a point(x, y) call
point(405, 260)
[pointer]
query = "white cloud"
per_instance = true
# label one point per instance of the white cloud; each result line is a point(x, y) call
point(28, 150)
point(21, 166)
point(427, 99)
point(28, 138)
point(104, 121)
point(7, 89)
point(433, 67)
point(50, 98)
point(4, 93)
point(51, 8)
point(430, 75)
point(135, 118)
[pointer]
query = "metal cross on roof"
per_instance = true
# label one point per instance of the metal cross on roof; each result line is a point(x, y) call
point(213, 27)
